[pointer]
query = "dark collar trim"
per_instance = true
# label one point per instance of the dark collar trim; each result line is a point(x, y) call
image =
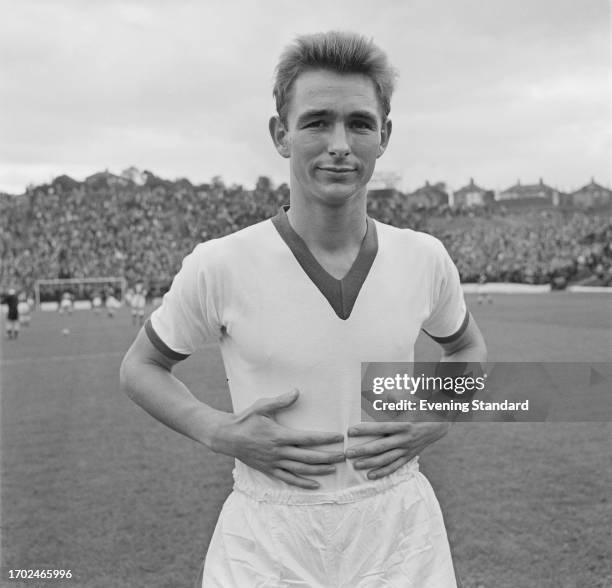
point(341, 294)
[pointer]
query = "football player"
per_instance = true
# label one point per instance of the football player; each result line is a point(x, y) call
point(296, 303)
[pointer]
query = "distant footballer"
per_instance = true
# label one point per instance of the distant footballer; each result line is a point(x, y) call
point(12, 317)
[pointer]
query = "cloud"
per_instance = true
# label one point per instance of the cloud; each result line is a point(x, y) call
point(184, 88)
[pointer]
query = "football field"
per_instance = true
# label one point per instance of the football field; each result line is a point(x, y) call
point(92, 484)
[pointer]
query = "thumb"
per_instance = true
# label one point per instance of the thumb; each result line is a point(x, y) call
point(271, 405)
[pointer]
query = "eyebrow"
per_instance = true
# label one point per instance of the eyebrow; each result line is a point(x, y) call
point(326, 112)
point(313, 114)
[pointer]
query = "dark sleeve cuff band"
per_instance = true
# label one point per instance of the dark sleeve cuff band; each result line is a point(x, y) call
point(455, 335)
point(160, 345)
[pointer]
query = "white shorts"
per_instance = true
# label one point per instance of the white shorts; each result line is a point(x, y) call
point(385, 533)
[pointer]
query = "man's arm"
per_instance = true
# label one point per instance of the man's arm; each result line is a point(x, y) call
point(401, 442)
point(251, 436)
point(469, 347)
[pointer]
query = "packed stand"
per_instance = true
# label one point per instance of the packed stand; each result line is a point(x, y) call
point(93, 229)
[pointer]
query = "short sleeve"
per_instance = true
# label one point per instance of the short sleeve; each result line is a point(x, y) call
point(449, 317)
point(186, 319)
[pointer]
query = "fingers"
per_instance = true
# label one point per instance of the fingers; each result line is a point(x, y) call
point(269, 406)
point(378, 429)
point(376, 447)
point(310, 456)
point(371, 463)
point(389, 469)
point(307, 438)
point(304, 469)
point(294, 480)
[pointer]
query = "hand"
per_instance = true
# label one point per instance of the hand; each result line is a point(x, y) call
point(287, 454)
point(397, 445)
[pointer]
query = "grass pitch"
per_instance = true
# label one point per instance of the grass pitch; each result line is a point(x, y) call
point(92, 484)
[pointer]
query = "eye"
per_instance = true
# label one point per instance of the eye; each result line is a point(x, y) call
point(362, 125)
point(315, 124)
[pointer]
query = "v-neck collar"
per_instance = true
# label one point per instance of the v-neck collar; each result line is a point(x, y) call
point(341, 294)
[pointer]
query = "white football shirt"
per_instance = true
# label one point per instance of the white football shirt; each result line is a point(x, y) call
point(283, 322)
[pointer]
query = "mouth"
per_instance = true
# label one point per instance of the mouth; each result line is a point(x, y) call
point(337, 170)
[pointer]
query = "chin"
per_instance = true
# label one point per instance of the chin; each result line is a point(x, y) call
point(339, 193)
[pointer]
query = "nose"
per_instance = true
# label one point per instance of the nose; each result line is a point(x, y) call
point(338, 141)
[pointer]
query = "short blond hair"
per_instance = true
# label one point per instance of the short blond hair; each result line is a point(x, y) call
point(337, 51)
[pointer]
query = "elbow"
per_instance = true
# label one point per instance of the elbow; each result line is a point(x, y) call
point(125, 376)
point(478, 351)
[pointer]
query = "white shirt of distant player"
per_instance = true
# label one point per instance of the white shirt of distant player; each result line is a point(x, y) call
point(23, 307)
point(112, 302)
point(66, 301)
point(278, 332)
point(138, 298)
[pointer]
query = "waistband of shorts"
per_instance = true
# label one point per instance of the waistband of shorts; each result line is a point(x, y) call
point(298, 497)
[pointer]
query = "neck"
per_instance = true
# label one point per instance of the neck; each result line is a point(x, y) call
point(329, 228)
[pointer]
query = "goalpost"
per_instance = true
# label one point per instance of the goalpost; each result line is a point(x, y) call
point(45, 289)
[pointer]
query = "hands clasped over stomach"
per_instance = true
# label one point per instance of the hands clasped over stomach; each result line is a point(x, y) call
point(293, 456)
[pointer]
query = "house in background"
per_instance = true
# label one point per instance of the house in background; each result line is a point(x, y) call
point(105, 179)
point(133, 174)
point(472, 195)
point(65, 183)
point(536, 193)
point(591, 195)
point(383, 193)
point(428, 196)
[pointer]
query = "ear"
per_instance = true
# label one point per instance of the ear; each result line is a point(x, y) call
point(385, 135)
point(280, 136)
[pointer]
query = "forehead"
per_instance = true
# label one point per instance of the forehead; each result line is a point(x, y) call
point(326, 90)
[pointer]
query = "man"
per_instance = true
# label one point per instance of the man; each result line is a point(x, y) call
point(12, 317)
point(483, 294)
point(296, 303)
point(24, 309)
point(138, 302)
point(110, 302)
point(66, 304)
point(96, 301)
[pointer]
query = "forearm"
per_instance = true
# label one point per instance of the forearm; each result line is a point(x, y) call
point(468, 354)
point(475, 353)
point(167, 399)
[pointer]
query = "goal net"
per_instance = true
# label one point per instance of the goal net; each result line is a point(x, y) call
point(82, 289)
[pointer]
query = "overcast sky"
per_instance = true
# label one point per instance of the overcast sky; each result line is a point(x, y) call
point(496, 90)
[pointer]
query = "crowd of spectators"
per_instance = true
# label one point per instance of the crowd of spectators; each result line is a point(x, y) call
point(142, 232)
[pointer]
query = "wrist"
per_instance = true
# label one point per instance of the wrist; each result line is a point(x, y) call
point(217, 432)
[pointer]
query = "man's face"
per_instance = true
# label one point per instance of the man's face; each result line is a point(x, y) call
point(333, 135)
